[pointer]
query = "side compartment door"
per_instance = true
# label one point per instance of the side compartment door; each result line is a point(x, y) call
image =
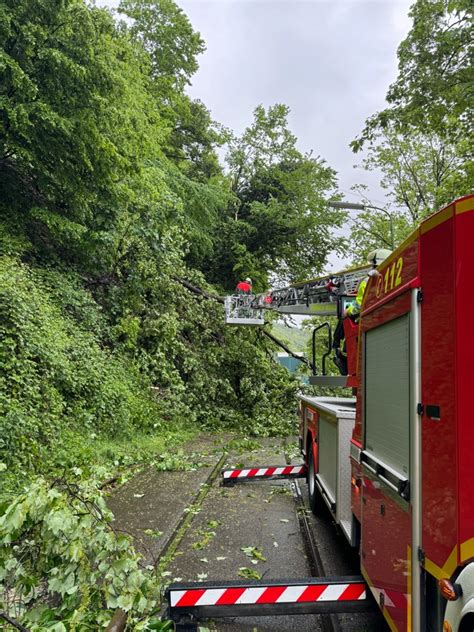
point(386, 514)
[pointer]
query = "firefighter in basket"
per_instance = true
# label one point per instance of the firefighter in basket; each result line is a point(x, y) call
point(375, 258)
point(245, 297)
point(244, 287)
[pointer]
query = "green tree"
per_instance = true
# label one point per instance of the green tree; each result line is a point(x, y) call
point(192, 137)
point(421, 173)
point(421, 142)
point(76, 124)
point(277, 222)
point(168, 37)
point(434, 88)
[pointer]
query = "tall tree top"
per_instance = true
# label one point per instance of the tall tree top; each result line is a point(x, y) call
point(168, 37)
point(435, 78)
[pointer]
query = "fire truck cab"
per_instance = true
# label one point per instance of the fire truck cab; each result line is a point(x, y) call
point(395, 465)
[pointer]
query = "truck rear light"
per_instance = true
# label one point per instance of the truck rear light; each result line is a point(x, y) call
point(449, 590)
point(447, 627)
point(356, 482)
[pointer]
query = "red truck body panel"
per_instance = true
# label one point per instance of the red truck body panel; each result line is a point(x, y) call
point(385, 547)
point(438, 388)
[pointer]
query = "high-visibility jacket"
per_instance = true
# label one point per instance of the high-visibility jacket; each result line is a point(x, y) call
point(354, 309)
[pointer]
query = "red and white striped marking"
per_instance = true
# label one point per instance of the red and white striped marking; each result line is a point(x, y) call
point(257, 472)
point(267, 595)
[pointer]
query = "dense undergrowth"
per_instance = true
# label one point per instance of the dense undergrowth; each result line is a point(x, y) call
point(69, 382)
point(56, 375)
point(76, 393)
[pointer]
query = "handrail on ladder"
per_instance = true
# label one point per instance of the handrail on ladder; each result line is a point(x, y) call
point(323, 360)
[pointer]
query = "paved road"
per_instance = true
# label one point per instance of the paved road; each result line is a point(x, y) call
point(253, 516)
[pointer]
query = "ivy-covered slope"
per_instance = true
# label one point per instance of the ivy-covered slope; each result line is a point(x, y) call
point(67, 372)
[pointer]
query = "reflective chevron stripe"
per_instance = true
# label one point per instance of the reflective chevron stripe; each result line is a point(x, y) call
point(263, 472)
point(304, 593)
point(315, 595)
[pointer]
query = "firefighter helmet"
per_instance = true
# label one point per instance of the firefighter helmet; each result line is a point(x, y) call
point(377, 256)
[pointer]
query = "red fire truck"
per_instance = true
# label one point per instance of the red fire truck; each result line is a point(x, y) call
point(410, 508)
point(395, 462)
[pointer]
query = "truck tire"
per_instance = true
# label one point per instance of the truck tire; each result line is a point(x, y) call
point(467, 623)
point(313, 491)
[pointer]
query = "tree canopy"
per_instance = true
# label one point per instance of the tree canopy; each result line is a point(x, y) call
point(276, 223)
point(433, 90)
point(421, 141)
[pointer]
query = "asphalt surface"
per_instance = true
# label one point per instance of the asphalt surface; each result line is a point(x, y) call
point(232, 529)
point(151, 505)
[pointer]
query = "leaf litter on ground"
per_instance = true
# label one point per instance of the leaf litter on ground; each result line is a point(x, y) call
point(254, 553)
point(249, 573)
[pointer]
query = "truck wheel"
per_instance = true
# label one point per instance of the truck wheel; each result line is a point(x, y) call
point(467, 623)
point(314, 495)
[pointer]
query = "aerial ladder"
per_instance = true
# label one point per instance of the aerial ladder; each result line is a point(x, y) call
point(326, 296)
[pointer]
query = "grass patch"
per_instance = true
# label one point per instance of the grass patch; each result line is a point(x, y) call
point(120, 456)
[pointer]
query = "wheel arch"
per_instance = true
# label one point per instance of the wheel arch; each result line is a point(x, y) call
point(460, 613)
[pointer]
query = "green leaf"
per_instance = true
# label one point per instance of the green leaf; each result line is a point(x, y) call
point(125, 602)
point(249, 573)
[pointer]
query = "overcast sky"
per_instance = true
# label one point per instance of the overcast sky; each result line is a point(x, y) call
point(331, 62)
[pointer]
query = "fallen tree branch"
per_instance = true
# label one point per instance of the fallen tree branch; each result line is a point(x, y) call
point(118, 621)
point(287, 349)
point(109, 481)
point(214, 297)
point(13, 622)
point(197, 290)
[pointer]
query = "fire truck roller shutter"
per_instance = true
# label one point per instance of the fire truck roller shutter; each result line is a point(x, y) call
point(387, 394)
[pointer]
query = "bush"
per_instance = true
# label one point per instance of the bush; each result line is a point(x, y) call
point(63, 567)
point(55, 374)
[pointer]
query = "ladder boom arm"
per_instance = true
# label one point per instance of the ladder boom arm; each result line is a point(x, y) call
point(313, 297)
